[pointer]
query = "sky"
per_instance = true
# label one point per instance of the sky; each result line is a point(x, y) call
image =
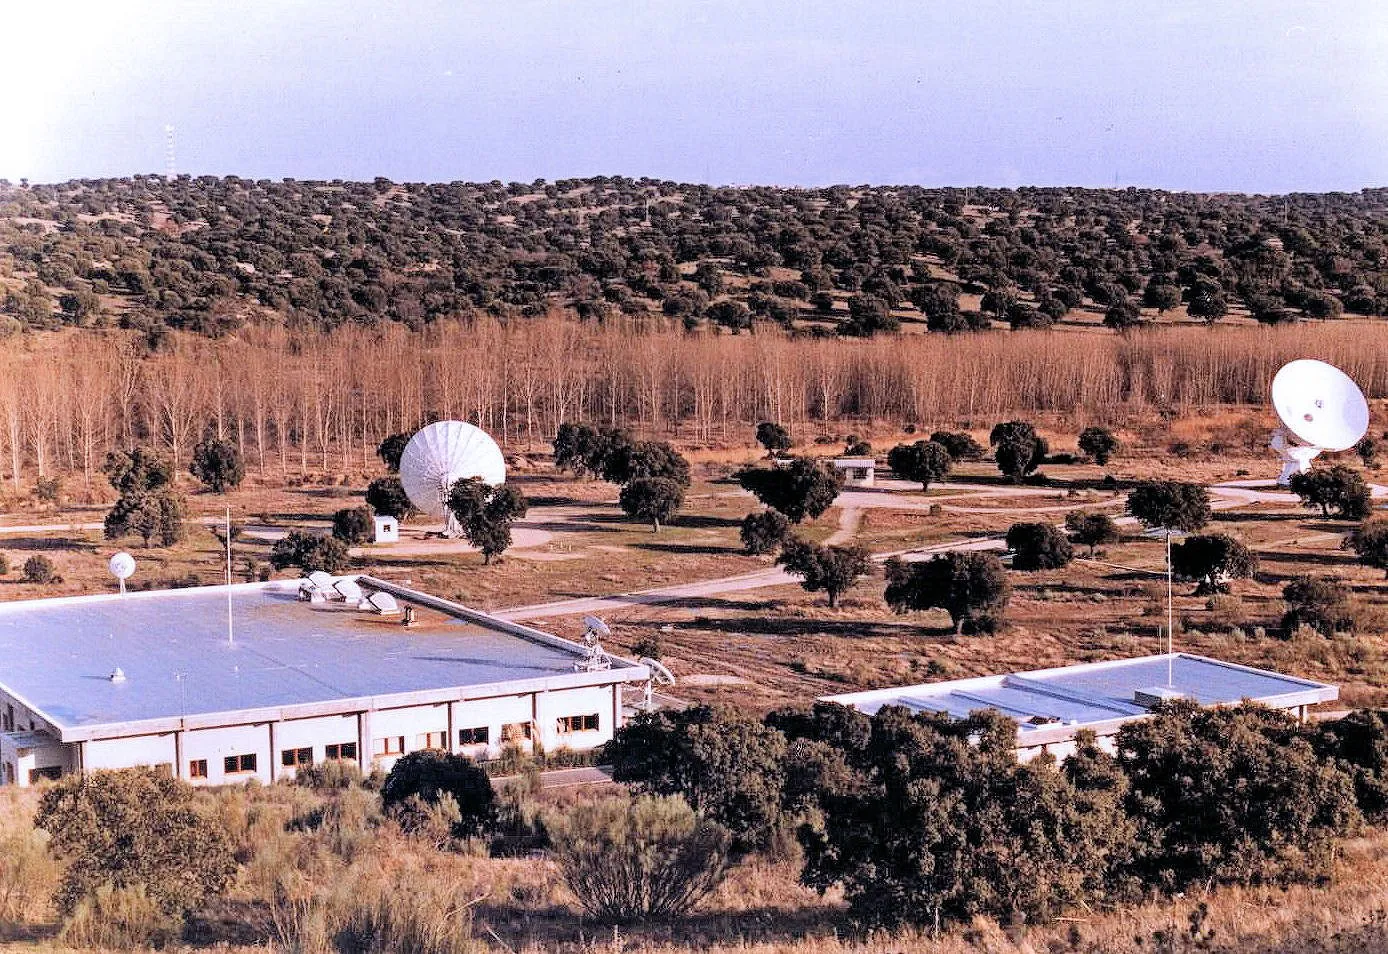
point(1223, 95)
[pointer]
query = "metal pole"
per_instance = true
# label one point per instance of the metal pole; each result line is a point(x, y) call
point(1170, 612)
point(231, 636)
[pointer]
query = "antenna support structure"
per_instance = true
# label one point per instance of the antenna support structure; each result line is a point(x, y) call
point(595, 659)
point(1320, 409)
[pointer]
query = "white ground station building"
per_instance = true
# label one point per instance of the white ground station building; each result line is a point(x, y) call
point(155, 679)
point(1051, 706)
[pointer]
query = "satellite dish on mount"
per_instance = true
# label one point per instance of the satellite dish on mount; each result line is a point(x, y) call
point(595, 625)
point(1321, 409)
point(439, 456)
point(122, 567)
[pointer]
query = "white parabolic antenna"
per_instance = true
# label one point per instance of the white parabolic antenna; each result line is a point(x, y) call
point(1321, 408)
point(439, 456)
point(122, 567)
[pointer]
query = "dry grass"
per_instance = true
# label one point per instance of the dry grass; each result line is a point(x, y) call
point(392, 893)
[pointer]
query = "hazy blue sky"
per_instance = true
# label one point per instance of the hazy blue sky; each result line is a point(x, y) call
point(1255, 96)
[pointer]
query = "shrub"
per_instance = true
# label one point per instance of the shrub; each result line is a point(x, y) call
point(1359, 742)
point(971, 586)
point(630, 859)
point(763, 531)
point(1038, 546)
point(1099, 443)
point(728, 766)
point(217, 463)
point(803, 488)
point(134, 828)
point(40, 569)
point(148, 514)
point(333, 774)
point(354, 525)
point(1017, 449)
point(933, 819)
point(48, 489)
point(1214, 559)
point(1338, 489)
point(959, 444)
point(1230, 795)
point(923, 462)
point(1090, 529)
point(4, 563)
point(833, 569)
point(773, 437)
point(1370, 541)
point(1170, 505)
point(310, 552)
point(386, 496)
point(1320, 603)
point(430, 775)
point(653, 499)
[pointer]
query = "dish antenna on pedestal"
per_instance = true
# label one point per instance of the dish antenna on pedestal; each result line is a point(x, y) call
point(1321, 409)
point(122, 567)
point(439, 456)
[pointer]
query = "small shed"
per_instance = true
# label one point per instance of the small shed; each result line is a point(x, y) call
point(857, 471)
point(387, 530)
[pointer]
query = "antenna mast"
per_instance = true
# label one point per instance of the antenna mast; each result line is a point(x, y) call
point(231, 635)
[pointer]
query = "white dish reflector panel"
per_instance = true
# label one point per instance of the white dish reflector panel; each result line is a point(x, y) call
point(442, 454)
point(1320, 404)
point(324, 581)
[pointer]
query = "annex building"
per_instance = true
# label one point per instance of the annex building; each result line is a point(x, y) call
point(1051, 706)
point(301, 674)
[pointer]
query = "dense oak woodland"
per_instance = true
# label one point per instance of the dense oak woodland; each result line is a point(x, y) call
point(209, 254)
point(308, 320)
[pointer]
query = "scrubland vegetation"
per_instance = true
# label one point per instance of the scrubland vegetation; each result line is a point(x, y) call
point(818, 830)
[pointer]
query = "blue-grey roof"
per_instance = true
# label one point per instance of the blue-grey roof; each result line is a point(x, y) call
point(57, 655)
point(1049, 704)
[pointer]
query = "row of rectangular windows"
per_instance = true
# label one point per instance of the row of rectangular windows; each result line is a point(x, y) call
point(391, 745)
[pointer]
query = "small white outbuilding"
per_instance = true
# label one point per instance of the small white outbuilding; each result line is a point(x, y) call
point(387, 530)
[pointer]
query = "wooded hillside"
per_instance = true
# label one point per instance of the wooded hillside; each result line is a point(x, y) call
point(212, 254)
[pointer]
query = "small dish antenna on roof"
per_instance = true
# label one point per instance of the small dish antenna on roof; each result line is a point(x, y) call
point(323, 581)
point(381, 603)
point(1321, 409)
point(439, 456)
point(122, 567)
point(595, 659)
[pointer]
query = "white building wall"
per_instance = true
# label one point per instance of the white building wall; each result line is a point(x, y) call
point(316, 734)
point(15, 716)
point(407, 727)
point(419, 727)
point(124, 753)
point(215, 745)
point(588, 700)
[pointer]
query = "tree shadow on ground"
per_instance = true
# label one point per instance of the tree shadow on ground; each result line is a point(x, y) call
point(46, 543)
point(1246, 516)
point(779, 626)
point(711, 549)
point(560, 924)
point(703, 521)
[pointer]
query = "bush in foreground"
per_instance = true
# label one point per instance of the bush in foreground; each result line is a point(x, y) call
point(631, 859)
point(135, 829)
point(429, 775)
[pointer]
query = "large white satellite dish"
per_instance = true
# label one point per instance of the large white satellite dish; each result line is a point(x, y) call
point(1321, 408)
point(439, 456)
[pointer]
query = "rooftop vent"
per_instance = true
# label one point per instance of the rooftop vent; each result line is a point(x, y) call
point(117, 675)
point(1147, 698)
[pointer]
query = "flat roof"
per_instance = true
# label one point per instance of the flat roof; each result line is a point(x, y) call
point(287, 658)
point(1052, 704)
